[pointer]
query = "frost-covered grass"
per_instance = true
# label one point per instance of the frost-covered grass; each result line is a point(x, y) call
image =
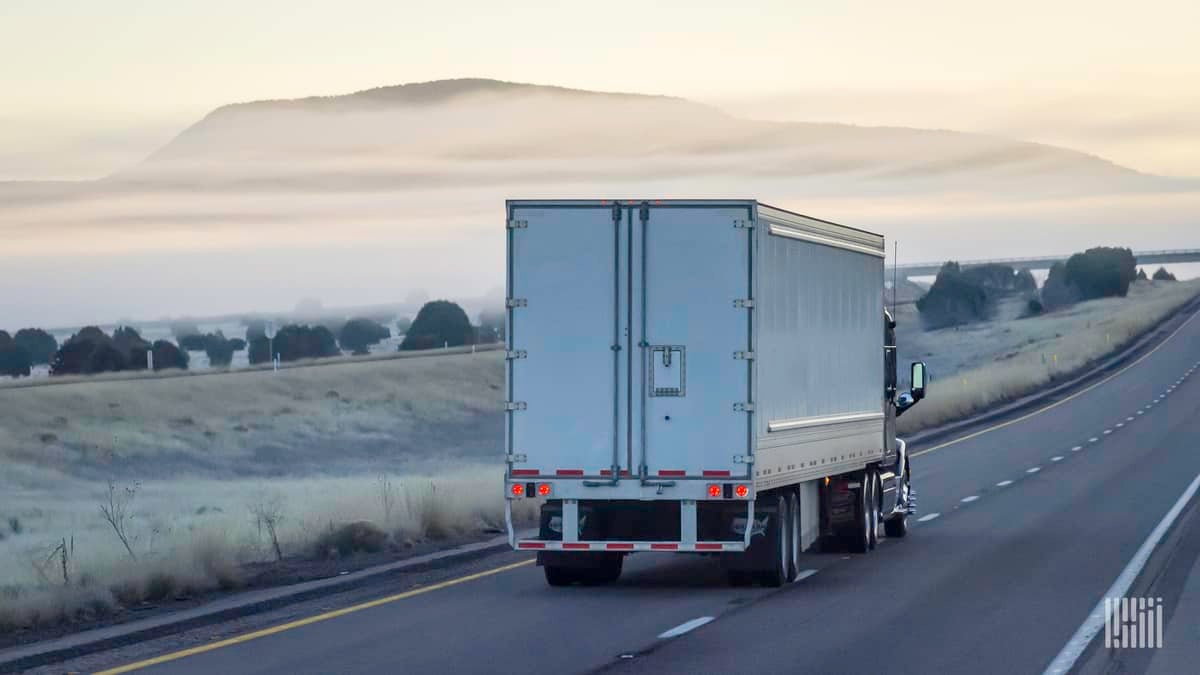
point(189, 536)
point(215, 457)
point(1002, 361)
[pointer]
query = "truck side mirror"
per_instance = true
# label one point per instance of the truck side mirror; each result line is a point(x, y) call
point(918, 380)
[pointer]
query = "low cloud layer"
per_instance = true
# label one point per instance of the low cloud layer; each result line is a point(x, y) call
point(359, 200)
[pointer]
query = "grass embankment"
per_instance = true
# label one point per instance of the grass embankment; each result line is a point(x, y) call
point(1021, 356)
point(224, 467)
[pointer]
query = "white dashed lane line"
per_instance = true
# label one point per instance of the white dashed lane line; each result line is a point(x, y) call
point(1093, 439)
point(968, 500)
point(928, 517)
point(1107, 432)
point(1128, 419)
point(1077, 448)
point(684, 627)
point(1056, 458)
point(1004, 483)
point(1033, 469)
point(1120, 424)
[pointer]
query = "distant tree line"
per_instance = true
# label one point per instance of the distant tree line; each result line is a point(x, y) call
point(28, 348)
point(963, 295)
point(92, 351)
point(439, 323)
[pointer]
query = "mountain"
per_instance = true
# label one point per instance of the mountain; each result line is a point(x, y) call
point(456, 129)
point(358, 199)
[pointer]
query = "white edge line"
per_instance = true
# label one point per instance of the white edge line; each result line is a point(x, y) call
point(684, 627)
point(1094, 622)
point(928, 517)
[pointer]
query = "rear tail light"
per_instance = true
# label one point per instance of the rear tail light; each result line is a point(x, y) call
point(543, 490)
point(714, 490)
point(741, 490)
point(518, 490)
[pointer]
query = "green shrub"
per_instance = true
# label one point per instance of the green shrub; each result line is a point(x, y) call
point(295, 342)
point(439, 323)
point(357, 335)
point(167, 355)
point(38, 343)
point(1102, 272)
point(14, 359)
point(1161, 274)
point(955, 298)
point(194, 342)
point(87, 352)
point(1058, 291)
point(1141, 275)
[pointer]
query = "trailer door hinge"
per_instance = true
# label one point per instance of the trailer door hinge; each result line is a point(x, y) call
point(514, 405)
point(515, 457)
point(746, 303)
point(516, 354)
point(747, 356)
point(743, 407)
point(518, 224)
point(737, 459)
point(743, 224)
point(516, 302)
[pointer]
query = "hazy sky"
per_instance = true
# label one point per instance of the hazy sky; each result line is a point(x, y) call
point(86, 88)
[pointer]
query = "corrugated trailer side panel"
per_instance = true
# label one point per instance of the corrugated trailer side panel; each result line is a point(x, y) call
point(819, 362)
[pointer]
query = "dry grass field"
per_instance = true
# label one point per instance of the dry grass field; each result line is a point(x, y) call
point(209, 473)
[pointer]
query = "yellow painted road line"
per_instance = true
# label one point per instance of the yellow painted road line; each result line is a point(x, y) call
point(1058, 403)
point(173, 656)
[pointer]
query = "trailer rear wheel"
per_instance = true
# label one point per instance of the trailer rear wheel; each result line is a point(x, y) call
point(779, 545)
point(560, 576)
point(793, 500)
point(606, 573)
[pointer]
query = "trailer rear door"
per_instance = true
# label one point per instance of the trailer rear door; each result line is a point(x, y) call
point(693, 323)
point(629, 370)
point(562, 314)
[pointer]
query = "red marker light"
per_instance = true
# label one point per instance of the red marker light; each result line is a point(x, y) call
point(544, 489)
point(518, 490)
point(741, 490)
point(714, 490)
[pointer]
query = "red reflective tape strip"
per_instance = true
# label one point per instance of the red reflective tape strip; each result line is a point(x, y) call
point(709, 547)
point(608, 472)
point(525, 472)
point(619, 547)
point(531, 544)
point(715, 472)
point(569, 472)
point(672, 472)
point(664, 547)
point(576, 545)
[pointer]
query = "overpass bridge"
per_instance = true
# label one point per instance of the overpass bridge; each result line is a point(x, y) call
point(1045, 262)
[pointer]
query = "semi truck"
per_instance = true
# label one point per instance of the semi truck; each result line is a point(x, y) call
point(699, 376)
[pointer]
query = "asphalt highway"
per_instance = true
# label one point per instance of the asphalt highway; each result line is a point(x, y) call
point(1022, 529)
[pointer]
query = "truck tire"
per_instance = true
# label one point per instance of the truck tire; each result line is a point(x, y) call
point(608, 572)
point(897, 526)
point(875, 501)
point(779, 546)
point(794, 535)
point(858, 538)
point(560, 576)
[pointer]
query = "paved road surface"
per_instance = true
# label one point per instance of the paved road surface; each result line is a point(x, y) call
point(1034, 522)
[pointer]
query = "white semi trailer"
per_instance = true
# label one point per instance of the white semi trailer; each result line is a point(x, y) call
point(699, 376)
